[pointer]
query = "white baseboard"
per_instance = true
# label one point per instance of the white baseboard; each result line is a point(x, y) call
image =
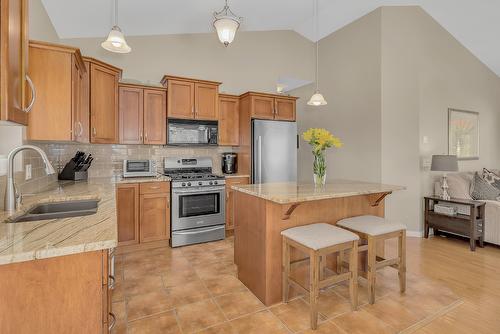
point(416, 234)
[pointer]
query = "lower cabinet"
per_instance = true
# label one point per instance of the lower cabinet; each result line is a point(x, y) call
point(143, 212)
point(230, 181)
point(63, 294)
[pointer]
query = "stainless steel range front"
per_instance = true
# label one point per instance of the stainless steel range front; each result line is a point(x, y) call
point(198, 201)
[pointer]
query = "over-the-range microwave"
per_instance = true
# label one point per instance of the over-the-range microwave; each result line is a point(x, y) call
point(191, 132)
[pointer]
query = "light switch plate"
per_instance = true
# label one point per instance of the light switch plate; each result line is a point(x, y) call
point(27, 175)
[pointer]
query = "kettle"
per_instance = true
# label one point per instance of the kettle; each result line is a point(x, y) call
point(229, 163)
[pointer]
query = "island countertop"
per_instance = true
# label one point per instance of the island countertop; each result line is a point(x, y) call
point(25, 241)
point(286, 193)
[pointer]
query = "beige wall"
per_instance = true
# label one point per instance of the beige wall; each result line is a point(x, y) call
point(349, 77)
point(40, 26)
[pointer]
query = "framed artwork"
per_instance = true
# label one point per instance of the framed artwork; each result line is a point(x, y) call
point(463, 134)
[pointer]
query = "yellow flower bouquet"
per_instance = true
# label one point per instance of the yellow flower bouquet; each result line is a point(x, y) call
point(320, 140)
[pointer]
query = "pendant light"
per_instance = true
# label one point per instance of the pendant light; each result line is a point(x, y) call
point(116, 40)
point(226, 23)
point(317, 99)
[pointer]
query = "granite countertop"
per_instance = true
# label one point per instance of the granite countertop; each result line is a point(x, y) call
point(286, 193)
point(230, 176)
point(26, 241)
point(158, 178)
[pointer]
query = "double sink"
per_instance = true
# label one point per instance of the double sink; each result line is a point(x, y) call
point(57, 210)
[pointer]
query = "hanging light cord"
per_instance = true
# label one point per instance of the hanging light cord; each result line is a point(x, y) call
point(115, 13)
point(316, 33)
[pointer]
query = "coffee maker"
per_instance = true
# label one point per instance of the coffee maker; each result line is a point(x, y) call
point(229, 163)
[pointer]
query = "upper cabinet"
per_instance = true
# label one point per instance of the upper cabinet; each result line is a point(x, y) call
point(270, 106)
point(16, 91)
point(229, 118)
point(104, 122)
point(191, 98)
point(142, 114)
point(60, 111)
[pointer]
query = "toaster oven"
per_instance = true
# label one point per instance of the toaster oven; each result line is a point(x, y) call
point(139, 168)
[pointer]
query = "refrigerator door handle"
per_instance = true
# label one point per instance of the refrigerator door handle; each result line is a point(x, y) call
point(259, 156)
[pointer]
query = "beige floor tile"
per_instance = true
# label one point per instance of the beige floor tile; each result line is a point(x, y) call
point(223, 285)
point(196, 316)
point(145, 284)
point(201, 258)
point(237, 304)
point(142, 305)
point(362, 322)
point(325, 328)
point(224, 328)
point(179, 276)
point(295, 315)
point(217, 269)
point(394, 313)
point(259, 323)
point(331, 304)
point(165, 323)
point(188, 293)
point(343, 290)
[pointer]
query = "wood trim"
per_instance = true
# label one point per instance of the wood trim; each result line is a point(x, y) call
point(173, 77)
point(103, 64)
point(290, 210)
point(61, 48)
point(252, 93)
point(375, 199)
point(143, 86)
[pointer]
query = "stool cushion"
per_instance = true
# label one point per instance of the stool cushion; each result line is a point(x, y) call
point(370, 225)
point(318, 236)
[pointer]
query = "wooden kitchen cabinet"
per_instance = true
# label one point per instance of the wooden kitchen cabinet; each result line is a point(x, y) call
point(63, 294)
point(143, 114)
point(229, 120)
point(127, 213)
point(230, 181)
point(143, 212)
point(59, 112)
point(14, 89)
point(104, 121)
point(191, 98)
point(270, 106)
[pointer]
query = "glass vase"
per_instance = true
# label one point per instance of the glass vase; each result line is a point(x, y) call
point(319, 168)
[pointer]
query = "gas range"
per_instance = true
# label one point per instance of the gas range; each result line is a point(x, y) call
point(192, 172)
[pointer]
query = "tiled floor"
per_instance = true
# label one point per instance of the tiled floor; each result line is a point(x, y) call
point(195, 290)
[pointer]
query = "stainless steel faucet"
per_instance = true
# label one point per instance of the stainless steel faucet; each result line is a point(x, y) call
point(11, 194)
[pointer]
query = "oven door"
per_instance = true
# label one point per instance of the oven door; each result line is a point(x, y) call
point(197, 207)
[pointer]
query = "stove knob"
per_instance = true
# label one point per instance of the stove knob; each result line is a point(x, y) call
point(189, 184)
point(215, 182)
point(210, 183)
point(183, 184)
point(200, 183)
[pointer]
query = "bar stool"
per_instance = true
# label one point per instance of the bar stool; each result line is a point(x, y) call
point(318, 241)
point(373, 229)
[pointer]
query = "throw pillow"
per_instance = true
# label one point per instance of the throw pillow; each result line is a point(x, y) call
point(491, 178)
point(482, 190)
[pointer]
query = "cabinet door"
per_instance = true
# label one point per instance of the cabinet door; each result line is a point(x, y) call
point(229, 121)
point(262, 107)
point(180, 99)
point(127, 213)
point(131, 115)
point(103, 104)
point(155, 217)
point(206, 101)
point(284, 109)
point(230, 199)
point(82, 115)
point(14, 61)
point(155, 117)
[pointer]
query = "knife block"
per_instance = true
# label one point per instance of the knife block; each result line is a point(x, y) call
point(69, 173)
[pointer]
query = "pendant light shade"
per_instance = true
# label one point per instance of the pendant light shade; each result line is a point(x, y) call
point(226, 23)
point(317, 99)
point(116, 40)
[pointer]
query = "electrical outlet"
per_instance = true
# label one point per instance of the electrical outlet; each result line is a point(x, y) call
point(28, 172)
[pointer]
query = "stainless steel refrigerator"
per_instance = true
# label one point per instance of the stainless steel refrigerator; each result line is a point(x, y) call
point(274, 151)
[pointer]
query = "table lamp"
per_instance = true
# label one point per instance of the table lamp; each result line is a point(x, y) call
point(444, 163)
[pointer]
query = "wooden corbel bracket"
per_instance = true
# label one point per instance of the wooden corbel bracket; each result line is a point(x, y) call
point(375, 199)
point(290, 210)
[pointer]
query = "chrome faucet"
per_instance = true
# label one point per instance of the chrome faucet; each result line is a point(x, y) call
point(11, 194)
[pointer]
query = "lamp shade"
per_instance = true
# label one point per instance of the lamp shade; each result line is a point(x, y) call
point(444, 163)
point(317, 100)
point(116, 41)
point(226, 27)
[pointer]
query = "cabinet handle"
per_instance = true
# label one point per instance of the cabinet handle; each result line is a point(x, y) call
point(140, 135)
point(113, 321)
point(111, 284)
point(276, 111)
point(94, 131)
point(33, 95)
point(168, 202)
point(154, 187)
point(146, 136)
point(80, 133)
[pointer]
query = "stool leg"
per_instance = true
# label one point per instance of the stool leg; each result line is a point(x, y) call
point(322, 266)
point(340, 262)
point(285, 270)
point(372, 268)
point(314, 288)
point(353, 282)
point(402, 261)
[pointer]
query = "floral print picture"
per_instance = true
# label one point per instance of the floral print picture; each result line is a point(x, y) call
point(463, 134)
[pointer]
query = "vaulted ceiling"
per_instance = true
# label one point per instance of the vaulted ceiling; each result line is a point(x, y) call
point(475, 23)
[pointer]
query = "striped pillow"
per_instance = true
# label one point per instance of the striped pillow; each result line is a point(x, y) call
point(491, 178)
point(480, 189)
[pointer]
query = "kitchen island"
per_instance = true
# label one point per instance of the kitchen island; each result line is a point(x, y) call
point(262, 211)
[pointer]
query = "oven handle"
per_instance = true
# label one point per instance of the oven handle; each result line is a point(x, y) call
point(200, 230)
point(204, 191)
